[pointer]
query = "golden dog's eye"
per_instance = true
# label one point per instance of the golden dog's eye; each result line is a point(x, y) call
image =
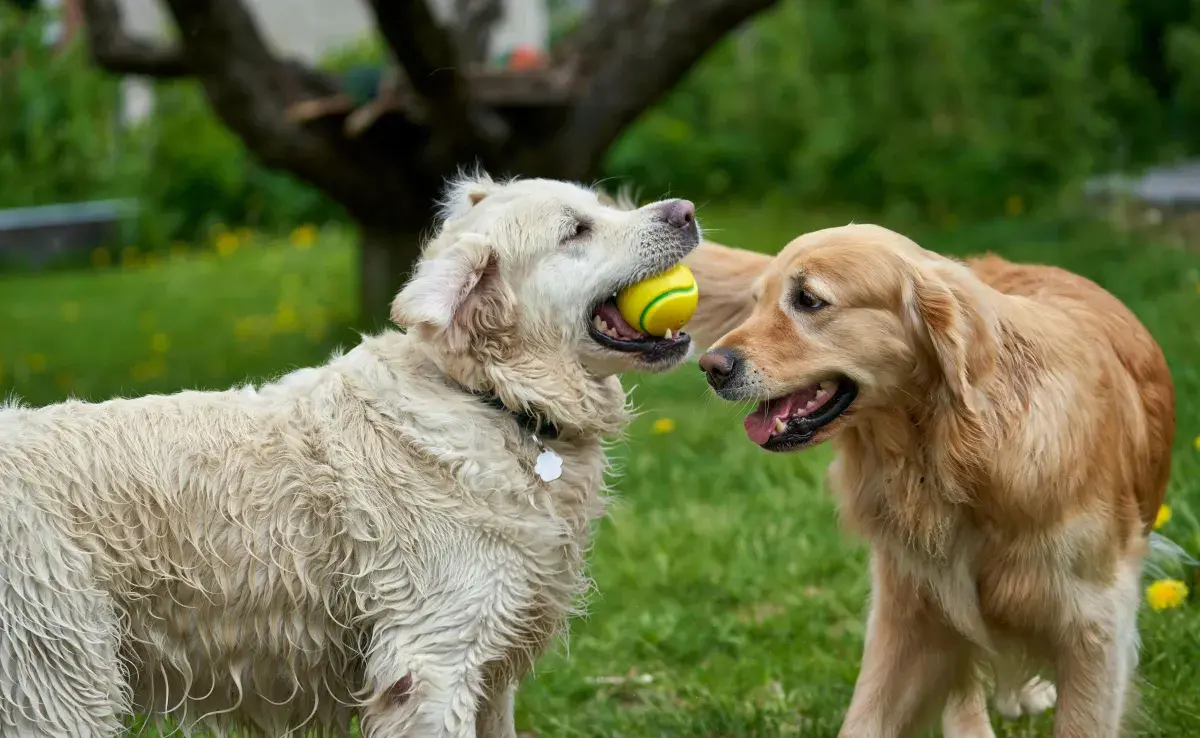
point(805, 300)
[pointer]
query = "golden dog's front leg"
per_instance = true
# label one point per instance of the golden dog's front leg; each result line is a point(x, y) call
point(913, 662)
point(1097, 657)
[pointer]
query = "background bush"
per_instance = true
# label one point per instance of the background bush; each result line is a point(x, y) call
point(942, 109)
point(949, 107)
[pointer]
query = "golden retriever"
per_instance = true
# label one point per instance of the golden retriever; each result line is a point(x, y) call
point(1002, 435)
point(396, 534)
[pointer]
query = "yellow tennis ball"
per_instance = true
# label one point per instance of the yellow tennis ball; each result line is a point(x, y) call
point(660, 303)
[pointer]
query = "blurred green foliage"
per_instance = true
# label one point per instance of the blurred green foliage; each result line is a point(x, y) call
point(943, 110)
point(948, 108)
point(61, 140)
point(59, 135)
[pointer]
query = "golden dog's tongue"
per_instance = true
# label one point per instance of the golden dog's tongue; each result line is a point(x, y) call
point(760, 424)
point(767, 419)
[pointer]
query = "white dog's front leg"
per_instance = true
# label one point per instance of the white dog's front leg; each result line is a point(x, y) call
point(495, 719)
point(427, 660)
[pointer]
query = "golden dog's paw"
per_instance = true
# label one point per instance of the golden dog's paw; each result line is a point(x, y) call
point(1036, 696)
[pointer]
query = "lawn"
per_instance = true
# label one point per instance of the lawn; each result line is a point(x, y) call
point(728, 602)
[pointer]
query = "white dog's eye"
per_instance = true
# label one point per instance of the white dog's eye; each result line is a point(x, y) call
point(578, 230)
point(805, 300)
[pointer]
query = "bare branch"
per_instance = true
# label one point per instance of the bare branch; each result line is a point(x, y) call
point(117, 52)
point(251, 90)
point(473, 22)
point(428, 54)
point(629, 53)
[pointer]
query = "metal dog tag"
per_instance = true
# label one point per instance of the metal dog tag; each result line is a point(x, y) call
point(548, 465)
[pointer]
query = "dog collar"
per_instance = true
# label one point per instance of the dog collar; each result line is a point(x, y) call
point(529, 423)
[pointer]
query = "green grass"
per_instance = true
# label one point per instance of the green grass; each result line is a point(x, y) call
point(721, 573)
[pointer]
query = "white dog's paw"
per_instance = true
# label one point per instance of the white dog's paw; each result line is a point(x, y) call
point(1036, 696)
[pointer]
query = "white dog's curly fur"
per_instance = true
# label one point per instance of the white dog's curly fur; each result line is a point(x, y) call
point(366, 537)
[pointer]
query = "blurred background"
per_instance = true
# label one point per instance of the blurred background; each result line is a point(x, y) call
point(196, 193)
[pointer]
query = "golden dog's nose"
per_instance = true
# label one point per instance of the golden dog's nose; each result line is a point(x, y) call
point(719, 365)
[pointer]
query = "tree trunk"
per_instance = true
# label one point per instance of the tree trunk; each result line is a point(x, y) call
point(386, 254)
point(440, 112)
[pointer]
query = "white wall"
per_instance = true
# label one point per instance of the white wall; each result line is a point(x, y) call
point(307, 29)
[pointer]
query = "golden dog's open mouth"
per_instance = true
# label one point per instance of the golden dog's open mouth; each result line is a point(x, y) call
point(792, 420)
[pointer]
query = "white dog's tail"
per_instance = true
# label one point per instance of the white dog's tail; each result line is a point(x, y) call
point(1165, 555)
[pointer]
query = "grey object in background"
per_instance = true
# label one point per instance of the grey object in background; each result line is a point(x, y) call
point(1172, 188)
point(39, 235)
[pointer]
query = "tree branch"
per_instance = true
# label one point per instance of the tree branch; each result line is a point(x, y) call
point(117, 52)
point(473, 21)
point(629, 53)
point(428, 54)
point(250, 89)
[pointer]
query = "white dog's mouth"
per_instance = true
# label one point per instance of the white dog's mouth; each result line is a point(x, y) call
point(609, 329)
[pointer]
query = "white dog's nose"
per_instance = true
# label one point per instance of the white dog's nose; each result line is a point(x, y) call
point(679, 213)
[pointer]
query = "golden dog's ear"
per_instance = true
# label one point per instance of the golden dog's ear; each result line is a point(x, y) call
point(725, 278)
point(456, 295)
point(951, 314)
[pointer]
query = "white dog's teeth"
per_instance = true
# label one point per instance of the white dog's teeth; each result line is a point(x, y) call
point(828, 387)
point(603, 326)
point(810, 405)
point(597, 323)
point(667, 336)
point(779, 425)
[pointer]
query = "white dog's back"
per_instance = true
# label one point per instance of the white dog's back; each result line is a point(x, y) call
point(239, 545)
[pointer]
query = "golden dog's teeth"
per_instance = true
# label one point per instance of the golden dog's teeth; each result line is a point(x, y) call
point(667, 335)
point(779, 426)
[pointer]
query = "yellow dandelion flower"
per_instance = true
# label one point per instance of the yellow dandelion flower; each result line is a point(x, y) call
point(101, 257)
point(316, 332)
point(1196, 443)
point(131, 257)
point(160, 343)
point(304, 236)
point(36, 363)
point(663, 425)
point(289, 284)
point(227, 244)
point(285, 318)
point(70, 311)
point(64, 381)
point(1166, 594)
point(245, 328)
point(1014, 205)
point(1163, 517)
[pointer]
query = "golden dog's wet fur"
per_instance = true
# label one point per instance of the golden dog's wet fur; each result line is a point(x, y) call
point(1005, 458)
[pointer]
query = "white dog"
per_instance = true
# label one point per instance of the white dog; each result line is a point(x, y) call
point(396, 534)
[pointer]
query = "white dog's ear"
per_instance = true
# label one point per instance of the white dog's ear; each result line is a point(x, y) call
point(456, 294)
point(951, 316)
point(465, 193)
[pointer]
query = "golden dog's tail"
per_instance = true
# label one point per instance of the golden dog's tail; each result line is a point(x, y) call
point(1167, 558)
